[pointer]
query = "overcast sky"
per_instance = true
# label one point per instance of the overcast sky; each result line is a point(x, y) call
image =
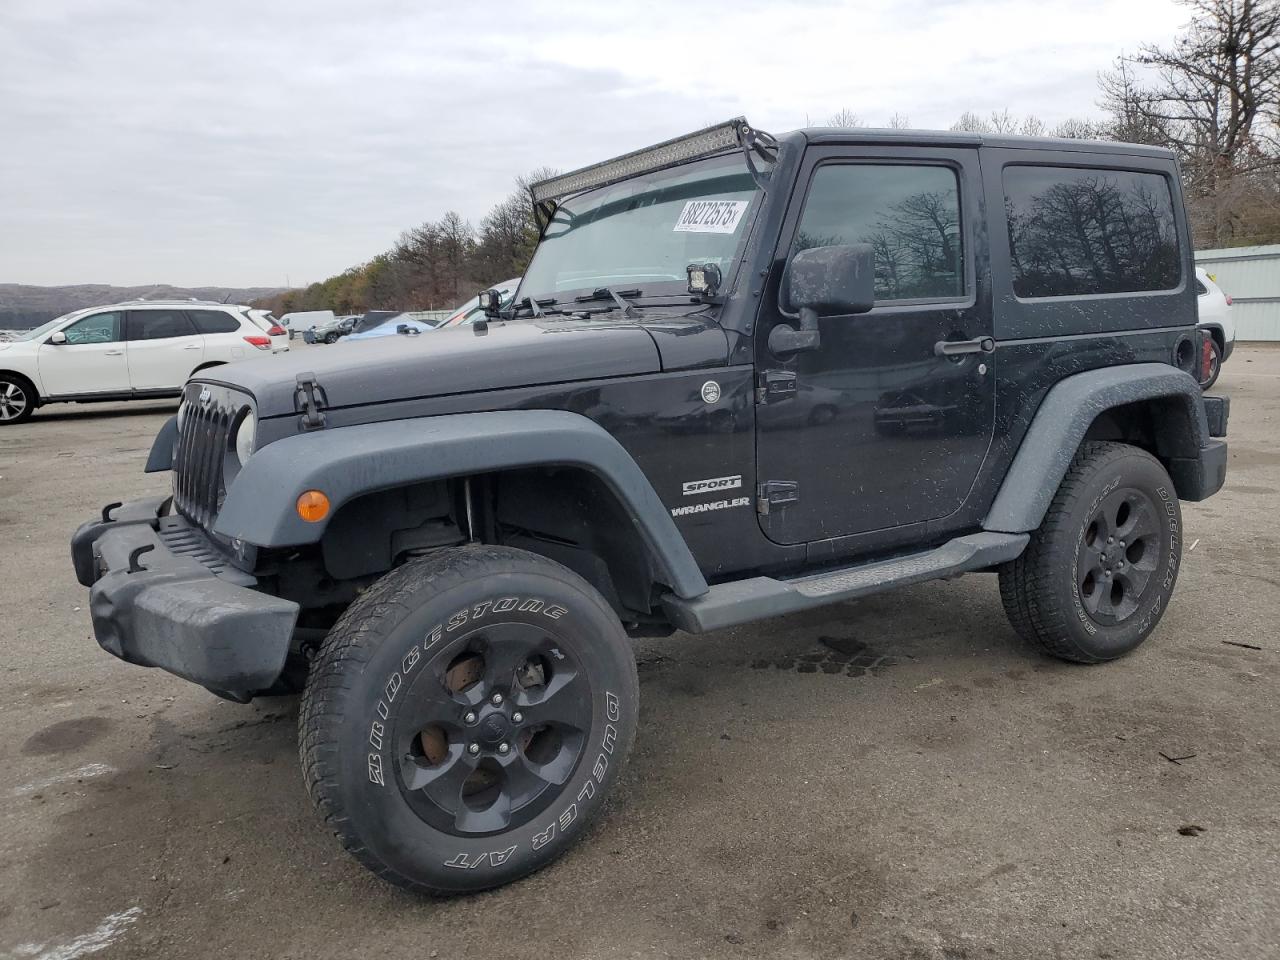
point(246, 143)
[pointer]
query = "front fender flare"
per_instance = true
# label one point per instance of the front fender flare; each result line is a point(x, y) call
point(1064, 417)
point(347, 462)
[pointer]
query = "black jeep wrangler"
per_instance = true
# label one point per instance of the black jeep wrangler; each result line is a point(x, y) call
point(743, 376)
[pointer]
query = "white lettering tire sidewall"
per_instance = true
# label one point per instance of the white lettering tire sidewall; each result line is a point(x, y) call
point(403, 840)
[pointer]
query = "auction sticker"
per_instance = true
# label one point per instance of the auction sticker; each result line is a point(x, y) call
point(710, 216)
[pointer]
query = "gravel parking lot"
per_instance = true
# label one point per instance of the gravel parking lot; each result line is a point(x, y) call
point(894, 778)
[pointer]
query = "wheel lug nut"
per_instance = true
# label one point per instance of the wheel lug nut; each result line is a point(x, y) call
point(503, 749)
point(496, 699)
point(517, 717)
point(1111, 539)
point(469, 717)
point(473, 749)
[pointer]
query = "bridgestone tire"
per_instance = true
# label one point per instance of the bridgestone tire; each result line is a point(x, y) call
point(1042, 591)
point(386, 662)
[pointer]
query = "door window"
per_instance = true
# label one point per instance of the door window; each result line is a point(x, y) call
point(98, 328)
point(1075, 231)
point(214, 321)
point(910, 214)
point(158, 324)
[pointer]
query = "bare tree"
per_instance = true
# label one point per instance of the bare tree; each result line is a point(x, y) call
point(1076, 128)
point(899, 121)
point(1002, 121)
point(970, 122)
point(845, 118)
point(1214, 96)
point(1032, 126)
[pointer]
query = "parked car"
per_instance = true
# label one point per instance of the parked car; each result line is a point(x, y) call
point(299, 321)
point(484, 522)
point(272, 327)
point(1214, 308)
point(391, 325)
point(471, 311)
point(126, 351)
point(331, 332)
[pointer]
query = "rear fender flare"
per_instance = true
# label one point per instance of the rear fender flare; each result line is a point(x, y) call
point(1064, 417)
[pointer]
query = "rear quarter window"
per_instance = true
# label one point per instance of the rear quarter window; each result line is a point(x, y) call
point(1080, 231)
point(213, 321)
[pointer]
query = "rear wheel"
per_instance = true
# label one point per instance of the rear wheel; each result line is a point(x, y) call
point(1098, 573)
point(466, 717)
point(17, 399)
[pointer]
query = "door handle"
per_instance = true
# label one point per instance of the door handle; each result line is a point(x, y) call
point(192, 346)
point(112, 353)
point(954, 348)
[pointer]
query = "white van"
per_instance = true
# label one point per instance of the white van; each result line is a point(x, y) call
point(296, 323)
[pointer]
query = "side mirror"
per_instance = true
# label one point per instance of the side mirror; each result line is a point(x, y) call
point(489, 302)
point(821, 282)
point(58, 337)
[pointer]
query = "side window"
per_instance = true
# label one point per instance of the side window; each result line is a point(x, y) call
point(1081, 231)
point(910, 214)
point(96, 328)
point(158, 324)
point(213, 321)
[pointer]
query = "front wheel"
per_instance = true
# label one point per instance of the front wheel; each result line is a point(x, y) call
point(17, 400)
point(466, 717)
point(1098, 573)
point(330, 338)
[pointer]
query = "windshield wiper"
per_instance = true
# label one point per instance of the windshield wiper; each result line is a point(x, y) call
point(618, 296)
point(534, 306)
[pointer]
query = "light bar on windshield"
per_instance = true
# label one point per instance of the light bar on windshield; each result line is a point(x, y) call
point(703, 143)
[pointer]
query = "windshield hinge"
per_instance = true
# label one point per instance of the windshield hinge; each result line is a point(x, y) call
point(777, 493)
point(309, 399)
point(775, 385)
point(764, 145)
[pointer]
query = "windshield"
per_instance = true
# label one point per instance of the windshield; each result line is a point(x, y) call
point(643, 232)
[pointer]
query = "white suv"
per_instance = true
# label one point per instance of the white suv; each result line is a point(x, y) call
point(1214, 306)
point(127, 351)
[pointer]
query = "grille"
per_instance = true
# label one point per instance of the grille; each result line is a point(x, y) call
point(198, 482)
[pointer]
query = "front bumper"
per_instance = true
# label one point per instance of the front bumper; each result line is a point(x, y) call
point(162, 595)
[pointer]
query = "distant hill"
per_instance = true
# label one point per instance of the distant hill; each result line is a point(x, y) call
point(23, 306)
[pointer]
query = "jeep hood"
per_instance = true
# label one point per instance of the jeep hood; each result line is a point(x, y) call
point(450, 361)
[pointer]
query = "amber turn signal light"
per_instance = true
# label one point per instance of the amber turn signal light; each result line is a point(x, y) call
point(313, 506)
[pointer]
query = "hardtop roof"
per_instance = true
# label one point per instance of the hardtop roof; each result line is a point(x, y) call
point(959, 138)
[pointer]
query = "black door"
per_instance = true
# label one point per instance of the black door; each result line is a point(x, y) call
point(880, 428)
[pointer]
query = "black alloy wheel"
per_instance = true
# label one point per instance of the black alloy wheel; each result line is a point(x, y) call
point(1118, 556)
point(492, 724)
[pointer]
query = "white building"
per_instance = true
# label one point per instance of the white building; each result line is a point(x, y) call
point(1251, 277)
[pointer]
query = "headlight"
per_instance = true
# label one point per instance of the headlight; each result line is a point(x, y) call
point(246, 434)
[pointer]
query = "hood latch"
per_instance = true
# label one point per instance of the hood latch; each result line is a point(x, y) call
point(309, 399)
